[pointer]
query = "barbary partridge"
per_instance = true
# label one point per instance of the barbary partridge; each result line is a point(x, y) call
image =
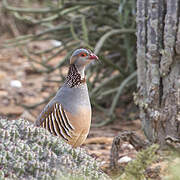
point(68, 114)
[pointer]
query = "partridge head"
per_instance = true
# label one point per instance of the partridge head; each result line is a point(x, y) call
point(68, 114)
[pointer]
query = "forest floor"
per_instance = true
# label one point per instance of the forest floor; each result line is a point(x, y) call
point(20, 85)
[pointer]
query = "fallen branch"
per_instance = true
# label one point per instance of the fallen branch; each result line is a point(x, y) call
point(128, 136)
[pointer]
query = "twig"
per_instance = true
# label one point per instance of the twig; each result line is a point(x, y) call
point(102, 40)
point(111, 115)
point(111, 91)
point(119, 92)
point(93, 102)
point(26, 53)
point(85, 30)
point(39, 103)
point(114, 66)
point(30, 10)
point(108, 120)
point(29, 19)
point(108, 92)
point(105, 82)
point(130, 137)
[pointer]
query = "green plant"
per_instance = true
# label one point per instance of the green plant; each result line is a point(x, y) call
point(135, 170)
point(28, 152)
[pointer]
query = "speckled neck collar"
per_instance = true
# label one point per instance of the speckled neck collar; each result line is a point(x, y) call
point(73, 78)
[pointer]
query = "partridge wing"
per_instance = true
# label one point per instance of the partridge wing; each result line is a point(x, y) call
point(55, 120)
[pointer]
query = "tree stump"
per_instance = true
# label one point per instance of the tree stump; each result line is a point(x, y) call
point(158, 63)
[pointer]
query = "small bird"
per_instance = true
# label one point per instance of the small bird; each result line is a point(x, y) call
point(68, 114)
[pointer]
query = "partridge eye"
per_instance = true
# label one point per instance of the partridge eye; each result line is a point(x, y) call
point(83, 54)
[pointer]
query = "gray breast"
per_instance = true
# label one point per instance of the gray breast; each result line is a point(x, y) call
point(73, 98)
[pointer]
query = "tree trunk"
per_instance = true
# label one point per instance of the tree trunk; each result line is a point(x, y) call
point(158, 63)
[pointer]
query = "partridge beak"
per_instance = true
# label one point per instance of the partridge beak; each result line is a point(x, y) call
point(93, 57)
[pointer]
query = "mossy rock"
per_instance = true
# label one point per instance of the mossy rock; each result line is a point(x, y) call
point(28, 152)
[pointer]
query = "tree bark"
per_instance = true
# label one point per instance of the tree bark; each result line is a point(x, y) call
point(158, 64)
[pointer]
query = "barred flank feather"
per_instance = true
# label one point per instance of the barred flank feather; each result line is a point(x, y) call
point(58, 123)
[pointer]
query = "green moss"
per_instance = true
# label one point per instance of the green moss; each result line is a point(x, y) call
point(173, 166)
point(28, 152)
